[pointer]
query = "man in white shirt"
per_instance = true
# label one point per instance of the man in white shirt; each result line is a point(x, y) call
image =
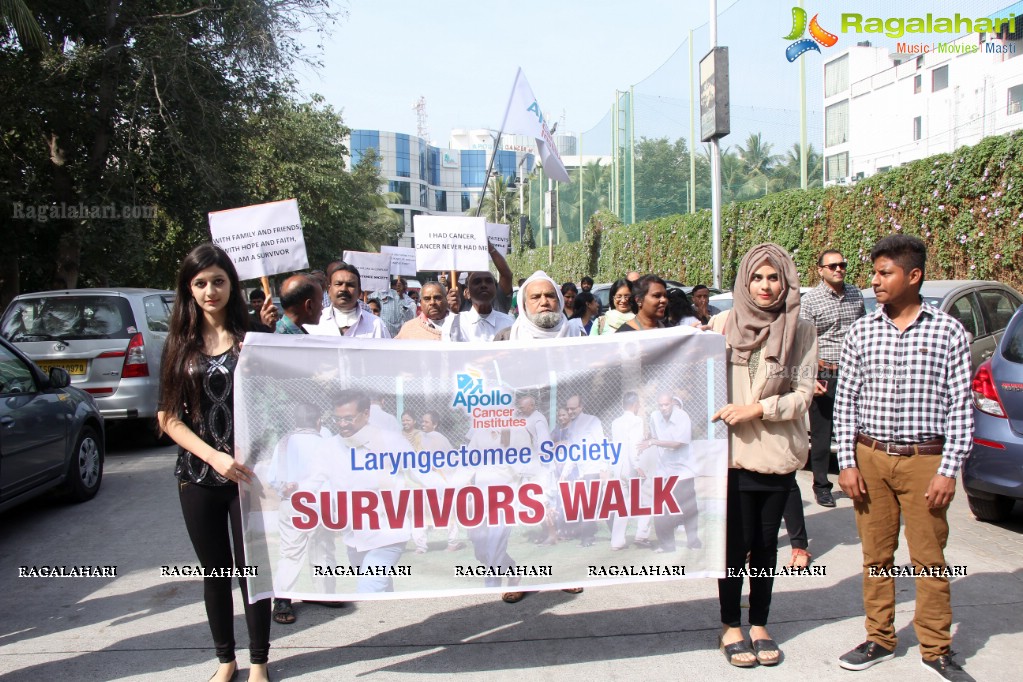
point(628, 430)
point(671, 431)
point(355, 437)
point(344, 316)
point(481, 322)
point(585, 427)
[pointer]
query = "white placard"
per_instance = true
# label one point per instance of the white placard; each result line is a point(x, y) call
point(265, 239)
point(451, 243)
point(500, 236)
point(403, 260)
point(374, 269)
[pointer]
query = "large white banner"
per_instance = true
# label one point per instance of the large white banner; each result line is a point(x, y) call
point(451, 243)
point(524, 117)
point(262, 240)
point(403, 260)
point(500, 236)
point(374, 269)
point(480, 467)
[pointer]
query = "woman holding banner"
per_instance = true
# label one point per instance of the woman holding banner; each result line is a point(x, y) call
point(772, 358)
point(207, 326)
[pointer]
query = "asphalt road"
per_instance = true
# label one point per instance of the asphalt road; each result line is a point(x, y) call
point(142, 626)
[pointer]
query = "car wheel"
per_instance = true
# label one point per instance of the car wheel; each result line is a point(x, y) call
point(995, 509)
point(85, 470)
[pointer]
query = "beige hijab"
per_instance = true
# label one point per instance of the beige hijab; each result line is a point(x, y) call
point(750, 326)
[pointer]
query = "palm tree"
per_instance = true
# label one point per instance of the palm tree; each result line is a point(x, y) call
point(756, 156)
point(500, 204)
point(16, 14)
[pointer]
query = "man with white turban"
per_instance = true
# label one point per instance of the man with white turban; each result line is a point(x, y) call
point(540, 311)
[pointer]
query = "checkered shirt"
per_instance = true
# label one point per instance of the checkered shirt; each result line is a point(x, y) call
point(832, 314)
point(905, 387)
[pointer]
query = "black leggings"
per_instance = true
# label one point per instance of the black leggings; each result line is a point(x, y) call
point(754, 517)
point(209, 511)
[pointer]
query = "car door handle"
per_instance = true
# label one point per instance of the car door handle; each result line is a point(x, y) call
point(6, 421)
point(986, 354)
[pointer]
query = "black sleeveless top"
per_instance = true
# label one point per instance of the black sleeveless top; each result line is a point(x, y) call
point(216, 427)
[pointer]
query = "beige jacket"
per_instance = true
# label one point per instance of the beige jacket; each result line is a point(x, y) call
point(777, 443)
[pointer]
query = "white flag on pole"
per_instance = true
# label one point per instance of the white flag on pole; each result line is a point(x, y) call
point(523, 117)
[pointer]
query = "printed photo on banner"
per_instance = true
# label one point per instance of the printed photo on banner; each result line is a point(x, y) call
point(459, 469)
point(374, 269)
point(500, 236)
point(403, 260)
point(262, 240)
point(451, 243)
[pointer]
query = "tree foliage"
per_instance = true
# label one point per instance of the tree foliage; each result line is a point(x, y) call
point(151, 113)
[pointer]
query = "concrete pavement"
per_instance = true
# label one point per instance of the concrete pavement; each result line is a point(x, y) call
point(141, 626)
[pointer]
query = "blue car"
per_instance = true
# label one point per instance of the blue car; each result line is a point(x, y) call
point(993, 475)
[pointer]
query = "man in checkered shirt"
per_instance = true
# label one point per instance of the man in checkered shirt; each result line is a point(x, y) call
point(832, 306)
point(903, 422)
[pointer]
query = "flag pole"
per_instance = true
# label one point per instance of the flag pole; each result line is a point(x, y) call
point(490, 168)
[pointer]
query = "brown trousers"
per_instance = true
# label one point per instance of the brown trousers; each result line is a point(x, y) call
point(897, 484)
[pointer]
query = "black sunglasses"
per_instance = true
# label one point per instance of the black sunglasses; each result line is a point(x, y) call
point(835, 266)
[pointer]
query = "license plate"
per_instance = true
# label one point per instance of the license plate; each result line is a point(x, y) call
point(76, 367)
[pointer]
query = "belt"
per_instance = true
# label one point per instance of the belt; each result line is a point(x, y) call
point(827, 365)
point(930, 447)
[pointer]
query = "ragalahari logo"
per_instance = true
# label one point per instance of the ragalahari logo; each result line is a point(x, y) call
point(802, 45)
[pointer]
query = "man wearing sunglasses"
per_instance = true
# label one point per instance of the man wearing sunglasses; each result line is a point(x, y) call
point(833, 305)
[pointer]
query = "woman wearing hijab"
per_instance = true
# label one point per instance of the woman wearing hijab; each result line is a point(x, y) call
point(619, 312)
point(772, 357)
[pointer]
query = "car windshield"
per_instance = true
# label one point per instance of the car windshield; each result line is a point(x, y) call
point(64, 318)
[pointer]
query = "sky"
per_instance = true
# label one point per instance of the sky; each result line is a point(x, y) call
point(462, 56)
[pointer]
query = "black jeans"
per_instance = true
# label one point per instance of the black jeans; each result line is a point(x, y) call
point(212, 516)
point(795, 520)
point(684, 493)
point(821, 414)
point(754, 517)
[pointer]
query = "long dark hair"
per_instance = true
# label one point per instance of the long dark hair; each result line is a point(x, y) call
point(679, 307)
point(179, 387)
point(582, 299)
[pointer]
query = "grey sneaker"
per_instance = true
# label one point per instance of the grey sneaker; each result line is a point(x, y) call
point(947, 669)
point(864, 656)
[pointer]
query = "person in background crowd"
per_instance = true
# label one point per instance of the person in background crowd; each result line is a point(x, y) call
point(633, 276)
point(482, 321)
point(374, 306)
point(263, 313)
point(832, 306)
point(427, 326)
point(207, 327)
point(586, 309)
point(302, 301)
point(772, 357)
point(515, 297)
point(586, 284)
point(568, 294)
point(620, 311)
point(321, 278)
point(650, 299)
point(394, 306)
point(297, 293)
point(701, 302)
point(680, 311)
point(901, 443)
point(345, 316)
point(503, 289)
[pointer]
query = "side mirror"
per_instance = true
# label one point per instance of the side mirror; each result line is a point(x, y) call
point(59, 378)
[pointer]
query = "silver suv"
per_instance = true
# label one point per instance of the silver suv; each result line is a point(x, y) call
point(108, 340)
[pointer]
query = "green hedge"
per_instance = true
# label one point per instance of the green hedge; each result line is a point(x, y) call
point(967, 207)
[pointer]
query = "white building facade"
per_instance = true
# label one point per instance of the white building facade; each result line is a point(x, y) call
point(882, 110)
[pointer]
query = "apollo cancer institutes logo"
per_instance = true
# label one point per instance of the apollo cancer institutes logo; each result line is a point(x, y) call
point(487, 409)
point(804, 45)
